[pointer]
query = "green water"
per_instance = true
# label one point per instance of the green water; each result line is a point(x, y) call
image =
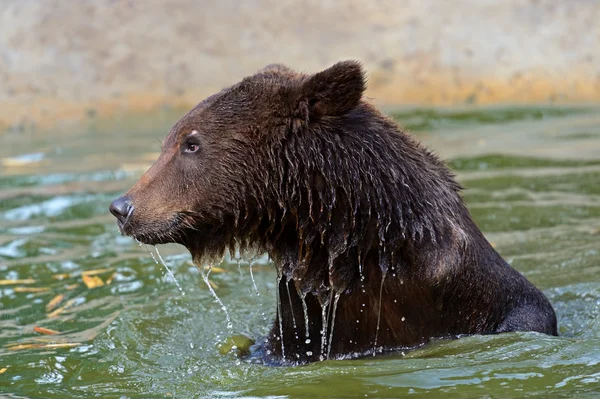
point(533, 185)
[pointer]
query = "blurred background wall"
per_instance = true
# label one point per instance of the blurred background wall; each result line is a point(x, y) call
point(70, 60)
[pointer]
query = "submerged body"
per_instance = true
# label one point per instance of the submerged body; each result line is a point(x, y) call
point(374, 247)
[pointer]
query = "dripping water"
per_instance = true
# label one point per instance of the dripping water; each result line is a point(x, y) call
point(214, 294)
point(287, 286)
point(324, 311)
point(239, 265)
point(163, 263)
point(279, 317)
point(335, 302)
point(252, 278)
point(302, 296)
point(360, 268)
point(383, 274)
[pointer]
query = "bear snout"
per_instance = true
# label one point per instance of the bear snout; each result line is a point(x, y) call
point(122, 208)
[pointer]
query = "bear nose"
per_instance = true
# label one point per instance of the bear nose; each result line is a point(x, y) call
point(122, 208)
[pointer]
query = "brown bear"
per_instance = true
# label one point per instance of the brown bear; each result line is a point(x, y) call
point(374, 247)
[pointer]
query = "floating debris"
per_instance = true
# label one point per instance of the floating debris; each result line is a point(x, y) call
point(92, 281)
point(58, 311)
point(54, 302)
point(31, 289)
point(95, 272)
point(15, 282)
point(240, 343)
point(215, 269)
point(43, 346)
point(61, 276)
point(45, 331)
point(3, 369)
point(111, 278)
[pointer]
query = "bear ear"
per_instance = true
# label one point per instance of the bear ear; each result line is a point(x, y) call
point(334, 91)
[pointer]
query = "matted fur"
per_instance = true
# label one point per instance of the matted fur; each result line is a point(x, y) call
point(371, 239)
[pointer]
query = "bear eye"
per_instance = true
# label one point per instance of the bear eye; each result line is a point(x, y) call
point(191, 147)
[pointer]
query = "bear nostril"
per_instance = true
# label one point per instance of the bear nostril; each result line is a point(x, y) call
point(121, 208)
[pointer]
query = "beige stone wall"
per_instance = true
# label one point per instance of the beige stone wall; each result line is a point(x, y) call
point(64, 60)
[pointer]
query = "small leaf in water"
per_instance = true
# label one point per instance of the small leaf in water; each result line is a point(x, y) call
point(215, 269)
point(31, 289)
point(44, 346)
point(61, 276)
point(3, 369)
point(240, 343)
point(12, 282)
point(111, 278)
point(95, 272)
point(58, 311)
point(54, 302)
point(45, 331)
point(92, 281)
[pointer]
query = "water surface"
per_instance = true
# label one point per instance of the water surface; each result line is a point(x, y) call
point(532, 178)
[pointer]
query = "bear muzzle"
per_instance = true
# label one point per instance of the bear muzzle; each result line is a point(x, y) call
point(122, 208)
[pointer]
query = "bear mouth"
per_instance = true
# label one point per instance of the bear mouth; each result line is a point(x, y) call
point(154, 233)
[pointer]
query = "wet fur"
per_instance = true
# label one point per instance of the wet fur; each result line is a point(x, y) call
point(349, 207)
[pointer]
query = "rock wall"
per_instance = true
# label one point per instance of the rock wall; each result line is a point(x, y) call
point(70, 60)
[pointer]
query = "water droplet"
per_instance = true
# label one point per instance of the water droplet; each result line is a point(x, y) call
point(252, 278)
point(302, 296)
point(192, 345)
point(279, 316)
point(307, 341)
point(165, 266)
point(324, 319)
point(214, 294)
point(308, 353)
point(335, 302)
point(287, 286)
point(379, 306)
point(402, 318)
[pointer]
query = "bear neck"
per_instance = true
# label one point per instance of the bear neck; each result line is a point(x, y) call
point(355, 187)
point(356, 203)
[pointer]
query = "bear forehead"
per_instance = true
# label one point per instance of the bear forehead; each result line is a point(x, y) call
point(267, 86)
